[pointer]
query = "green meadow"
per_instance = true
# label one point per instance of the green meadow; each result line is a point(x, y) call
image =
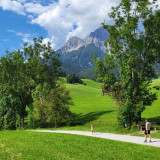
point(24, 145)
point(91, 107)
point(153, 112)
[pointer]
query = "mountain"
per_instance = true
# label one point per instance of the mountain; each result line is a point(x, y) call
point(75, 54)
point(73, 43)
point(79, 61)
point(98, 37)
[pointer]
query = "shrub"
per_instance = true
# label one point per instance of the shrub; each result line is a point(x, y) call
point(73, 78)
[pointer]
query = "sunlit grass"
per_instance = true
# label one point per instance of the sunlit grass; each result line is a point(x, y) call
point(88, 99)
point(24, 145)
point(91, 107)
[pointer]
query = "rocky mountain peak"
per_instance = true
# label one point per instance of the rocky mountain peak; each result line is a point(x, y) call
point(73, 43)
point(98, 37)
point(100, 33)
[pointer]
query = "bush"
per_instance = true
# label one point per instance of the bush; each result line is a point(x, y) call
point(9, 121)
point(73, 78)
point(126, 114)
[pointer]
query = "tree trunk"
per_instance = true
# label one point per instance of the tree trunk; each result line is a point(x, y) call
point(133, 75)
point(22, 123)
point(23, 111)
point(55, 123)
point(139, 117)
point(15, 120)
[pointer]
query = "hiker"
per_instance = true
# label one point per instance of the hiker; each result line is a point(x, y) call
point(92, 128)
point(147, 131)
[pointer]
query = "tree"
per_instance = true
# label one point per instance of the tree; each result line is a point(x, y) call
point(73, 78)
point(25, 74)
point(133, 49)
point(54, 107)
point(15, 89)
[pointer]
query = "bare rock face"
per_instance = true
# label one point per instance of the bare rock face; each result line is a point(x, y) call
point(98, 37)
point(72, 44)
point(76, 54)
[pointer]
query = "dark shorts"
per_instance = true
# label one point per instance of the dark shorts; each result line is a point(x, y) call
point(146, 132)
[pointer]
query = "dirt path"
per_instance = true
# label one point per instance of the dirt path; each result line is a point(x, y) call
point(117, 137)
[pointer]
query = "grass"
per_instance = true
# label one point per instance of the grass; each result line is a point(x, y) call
point(92, 107)
point(23, 145)
point(153, 135)
point(153, 112)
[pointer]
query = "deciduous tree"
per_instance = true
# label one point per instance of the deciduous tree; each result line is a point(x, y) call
point(133, 49)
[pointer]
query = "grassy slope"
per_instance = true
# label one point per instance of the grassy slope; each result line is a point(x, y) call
point(153, 112)
point(92, 107)
point(25, 145)
point(100, 110)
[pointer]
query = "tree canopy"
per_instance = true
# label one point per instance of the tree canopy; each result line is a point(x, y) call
point(27, 76)
point(133, 48)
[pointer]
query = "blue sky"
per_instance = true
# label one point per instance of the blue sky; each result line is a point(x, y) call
point(14, 29)
point(55, 20)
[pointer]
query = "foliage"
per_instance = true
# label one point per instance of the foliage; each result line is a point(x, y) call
point(54, 107)
point(10, 121)
point(15, 86)
point(132, 53)
point(73, 78)
point(25, 76)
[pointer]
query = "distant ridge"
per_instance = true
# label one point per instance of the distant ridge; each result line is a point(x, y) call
point(98, 37)
point(75, 54)
point(73, 43)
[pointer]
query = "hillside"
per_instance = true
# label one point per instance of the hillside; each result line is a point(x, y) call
point(79, 61)
point(153, 112)
point(76, 52)
point(91, 107)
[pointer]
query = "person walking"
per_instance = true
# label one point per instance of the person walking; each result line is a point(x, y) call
point(92, 128)
point(147, 131)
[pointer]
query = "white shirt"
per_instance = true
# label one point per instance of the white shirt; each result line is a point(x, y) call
point(148, 126)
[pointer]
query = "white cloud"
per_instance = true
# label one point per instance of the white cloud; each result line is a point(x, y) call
point(9, 30)
point(37, 8)
point(12, 5)
point(21, 1)
point(59, 19)
point(26, 38)
point(30, 17)
point(51, 40)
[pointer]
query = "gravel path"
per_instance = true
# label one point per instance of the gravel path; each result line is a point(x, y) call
point(117, 137)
